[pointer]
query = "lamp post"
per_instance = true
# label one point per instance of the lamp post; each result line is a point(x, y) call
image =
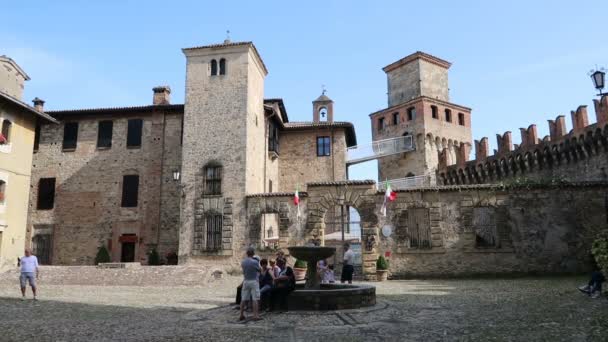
point(599, 80)
point(176, 175)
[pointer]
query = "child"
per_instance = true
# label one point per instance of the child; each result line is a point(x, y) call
point(328, 275)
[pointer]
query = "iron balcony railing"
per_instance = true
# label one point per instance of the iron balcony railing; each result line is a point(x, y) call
point(408, 182)
point(379, 148)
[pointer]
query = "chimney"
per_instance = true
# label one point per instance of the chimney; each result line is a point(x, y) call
point(162, 95)
point(38, 104)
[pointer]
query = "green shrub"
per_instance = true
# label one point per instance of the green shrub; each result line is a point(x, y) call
point(102, 255)
point(300, 264)
point(153, 258)
point(381, 264)
point(599, 249)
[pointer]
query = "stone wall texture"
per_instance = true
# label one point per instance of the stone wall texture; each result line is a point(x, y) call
point(87, 212)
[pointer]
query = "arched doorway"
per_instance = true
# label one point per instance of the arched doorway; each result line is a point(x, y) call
point(343, 224)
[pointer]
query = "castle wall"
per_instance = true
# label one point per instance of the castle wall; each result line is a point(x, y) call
point(575, 156)
point(545, 229)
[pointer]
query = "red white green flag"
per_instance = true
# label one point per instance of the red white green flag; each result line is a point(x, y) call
point(389, 196)
point(296, 198)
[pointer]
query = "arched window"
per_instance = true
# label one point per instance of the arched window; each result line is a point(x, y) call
point(2, 191)
point(448, 115)
point(434, 112)
point(213, 67)
point(213, 179)
point(323, 114)
point(6, 132)
point(222, 66)
point(461, 119)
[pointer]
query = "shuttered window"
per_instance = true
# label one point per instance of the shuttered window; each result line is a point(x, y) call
point(104, 134)
point(130, 191)
point(70, 136)
point(46, 194)
point(134, 132)
point(214, 231)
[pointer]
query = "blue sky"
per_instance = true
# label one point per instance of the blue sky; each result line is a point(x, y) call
point(515, 63)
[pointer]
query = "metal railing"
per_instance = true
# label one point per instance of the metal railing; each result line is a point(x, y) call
point(379, 148)
point(408, 182)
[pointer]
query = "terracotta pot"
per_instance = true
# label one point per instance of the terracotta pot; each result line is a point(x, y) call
point(381, 275)
point(299, 273)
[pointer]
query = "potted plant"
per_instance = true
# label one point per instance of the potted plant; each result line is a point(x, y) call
point(381, 269)
point(299, 269)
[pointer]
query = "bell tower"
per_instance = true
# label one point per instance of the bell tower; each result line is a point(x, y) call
point(323, 109)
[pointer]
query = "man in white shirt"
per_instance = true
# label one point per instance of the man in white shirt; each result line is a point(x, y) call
point(29, 272)
point(347, 267)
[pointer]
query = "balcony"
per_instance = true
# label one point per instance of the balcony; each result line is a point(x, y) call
point(409, 182)
point(380, 148)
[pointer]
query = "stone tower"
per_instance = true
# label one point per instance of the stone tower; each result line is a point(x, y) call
point(418, 105)
point(223, 138)
point(323, 109)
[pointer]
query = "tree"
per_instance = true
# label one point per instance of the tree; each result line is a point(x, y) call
point(102, 255)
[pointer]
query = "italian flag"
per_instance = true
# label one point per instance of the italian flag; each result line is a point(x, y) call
point(296, 199)
point(389, 196)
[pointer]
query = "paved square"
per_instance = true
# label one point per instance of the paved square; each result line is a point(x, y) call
point(530, 309)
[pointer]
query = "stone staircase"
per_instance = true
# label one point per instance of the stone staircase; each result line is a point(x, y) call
point(119, 276)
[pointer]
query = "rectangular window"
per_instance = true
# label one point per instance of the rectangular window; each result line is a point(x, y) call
point(484, 225)
point(269, 185)
point(273, 138)
point(419, 228)
point(411, 113)
point(380, 124)
point(461, 119)
point(214, 232)
point(37, 137)
point(448, 115)
point(434, 112)
point(323, 146)
point(130, 191)
point(104, 134)
point(213, 180)
point(395, 118)
point(46, 194)
point(70, 136)
point(134, 131)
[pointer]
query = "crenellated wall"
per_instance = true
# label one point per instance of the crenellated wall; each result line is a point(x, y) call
point(578, 155)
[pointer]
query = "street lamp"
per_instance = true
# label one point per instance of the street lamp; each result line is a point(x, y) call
point(176, 175)
point(598, 77)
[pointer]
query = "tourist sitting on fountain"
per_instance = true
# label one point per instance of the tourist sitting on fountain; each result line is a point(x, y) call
point(266, 283)
point(328, 276)
point(276, 270)
point(283, 285)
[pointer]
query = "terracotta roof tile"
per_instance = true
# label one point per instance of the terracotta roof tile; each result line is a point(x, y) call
point(278, 194)
point(220, 45)
point(351, 137)
point(27, 107)
point(344, 182)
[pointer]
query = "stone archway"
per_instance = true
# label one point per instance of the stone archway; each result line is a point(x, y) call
point(357, 194)
point(258, 207)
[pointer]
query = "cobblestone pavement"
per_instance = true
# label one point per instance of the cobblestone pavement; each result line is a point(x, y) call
point(530, 309)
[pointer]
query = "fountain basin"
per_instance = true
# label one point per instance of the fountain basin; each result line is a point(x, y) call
point(332, 297)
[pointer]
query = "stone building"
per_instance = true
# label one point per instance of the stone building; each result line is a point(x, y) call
point(18, 122)
point(419, 106)
point(207, 178)
point(175, 177)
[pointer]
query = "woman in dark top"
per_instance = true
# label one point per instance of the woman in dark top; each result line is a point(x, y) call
point(283, 285)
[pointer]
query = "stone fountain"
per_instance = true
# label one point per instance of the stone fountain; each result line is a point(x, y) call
point(316, 296)
point(312, 255)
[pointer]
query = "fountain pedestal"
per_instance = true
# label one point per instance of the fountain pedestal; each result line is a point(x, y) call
point(312, 255)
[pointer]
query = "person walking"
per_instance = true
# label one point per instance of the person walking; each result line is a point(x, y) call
point(29, 272)
point(347, 267)
point(251, 284)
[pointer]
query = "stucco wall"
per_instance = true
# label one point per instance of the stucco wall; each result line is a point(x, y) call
point(15, 170)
